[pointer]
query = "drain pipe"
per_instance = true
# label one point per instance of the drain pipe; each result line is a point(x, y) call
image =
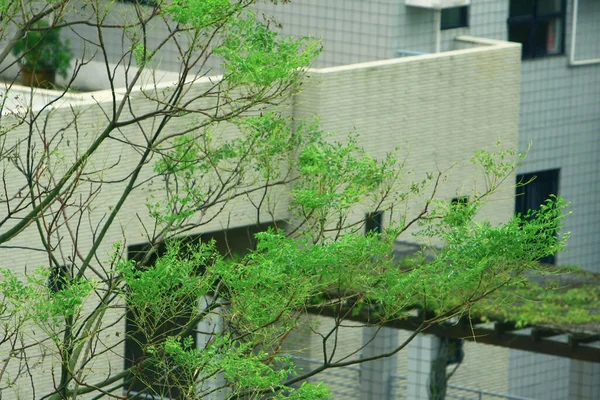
point(437, 26)
point(572, 62)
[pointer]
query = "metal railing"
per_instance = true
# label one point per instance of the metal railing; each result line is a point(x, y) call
point(347, 383)
point(466, 393)
point(408, 53)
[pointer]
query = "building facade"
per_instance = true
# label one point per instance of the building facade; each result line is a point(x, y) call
point(559, 114)
point(446, 105)
point(430, 130)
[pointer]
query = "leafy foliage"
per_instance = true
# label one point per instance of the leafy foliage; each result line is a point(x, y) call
point(42, 48)
point(253, 54)
point(201, 14)
point(565, 297)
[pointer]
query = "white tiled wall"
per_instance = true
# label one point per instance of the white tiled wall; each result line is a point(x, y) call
point(559, 116)
point(559, 104)
point(559, 109)
point(405, 103)
point(422, 353)
point(538, 376)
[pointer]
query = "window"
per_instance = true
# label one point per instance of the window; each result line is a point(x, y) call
point(460, 201)
point(142, 2)
point(461, 213)
point(373, 222)
point(150, 383)
point(161, 387)
point(539, 25)
point(455, 17)
point(58, 278)
point(532, 191)
point(454, 349)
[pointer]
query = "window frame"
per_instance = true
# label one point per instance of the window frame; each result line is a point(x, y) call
point(151, 3)
point(374, 222)
point(58, 278)
point(464, 18)
point(133, 351)
point(459, 201)
point(533, 21)
point(541, 185)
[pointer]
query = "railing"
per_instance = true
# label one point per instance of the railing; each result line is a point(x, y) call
point(347, 385)
point(408, 53)
point(465, 393)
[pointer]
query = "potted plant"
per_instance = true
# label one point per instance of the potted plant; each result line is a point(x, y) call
point(41, 54)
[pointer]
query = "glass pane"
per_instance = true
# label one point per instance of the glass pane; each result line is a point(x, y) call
point(520, 8)
point(548, 37)
point(532, 196)
point(548, 6)
point(520, 33)
point(454, 17)
point(373, 222)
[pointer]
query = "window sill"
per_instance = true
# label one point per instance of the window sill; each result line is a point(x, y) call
point(543, 57)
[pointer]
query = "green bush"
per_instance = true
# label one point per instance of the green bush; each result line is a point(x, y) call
point(41, 49)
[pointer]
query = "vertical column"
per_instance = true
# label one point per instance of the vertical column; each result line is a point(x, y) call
point(207, 328)
point(376, 380)
point(306, 355)
point(423, 367)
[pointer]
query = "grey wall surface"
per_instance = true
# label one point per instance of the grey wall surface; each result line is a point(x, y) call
point(559, 117)
point(560, 105)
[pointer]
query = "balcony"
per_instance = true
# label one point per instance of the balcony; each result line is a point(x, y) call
point(437, 4)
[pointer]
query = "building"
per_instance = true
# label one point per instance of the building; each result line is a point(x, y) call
point(469, 94)
point(559, 113)
point(330, 93)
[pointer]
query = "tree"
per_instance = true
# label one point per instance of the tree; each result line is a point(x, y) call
point(171, 159)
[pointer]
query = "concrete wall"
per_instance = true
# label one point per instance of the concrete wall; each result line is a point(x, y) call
point(113, 162)
point(538, 376)
point(558, 110)
point(409, 103)
point(559, 115)
point(559, 104)
point(436, 123)
point(416, 104)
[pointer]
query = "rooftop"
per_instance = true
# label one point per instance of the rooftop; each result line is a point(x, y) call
point(15, 98)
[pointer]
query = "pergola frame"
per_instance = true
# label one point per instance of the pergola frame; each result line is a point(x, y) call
point(543, 340)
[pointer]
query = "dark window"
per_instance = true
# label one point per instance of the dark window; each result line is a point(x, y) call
point(460, 201)
point(373, 222)
point(58, 278)
point(148, 382)
point(461, 214)
point(143, 2)
point(151, 378)
point(533, 190)
point(455, 17)
point(539, 25)
point(455, 351)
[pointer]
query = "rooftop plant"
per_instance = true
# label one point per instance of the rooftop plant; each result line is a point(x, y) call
point(41, 49)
